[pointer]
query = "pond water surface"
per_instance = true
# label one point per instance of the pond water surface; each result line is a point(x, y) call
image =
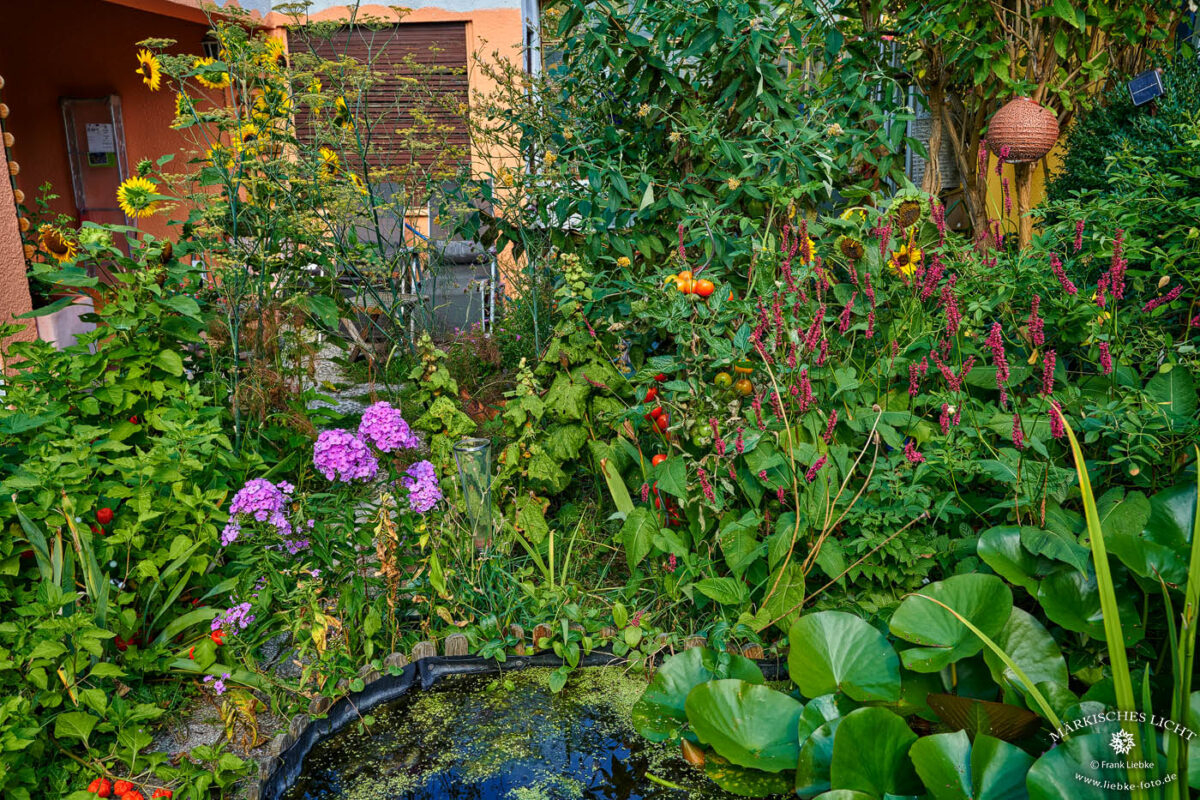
point(479, 738)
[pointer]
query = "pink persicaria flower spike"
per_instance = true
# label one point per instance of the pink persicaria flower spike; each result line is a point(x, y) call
point(709, 494)
point(811, 475)
point(1162, 301)
point(981, 167)
point(1007, 196)
point(756, 404)
point(1116, 269)
point(1056, 266)
point(944, 419)
point(791, 356)
point(1018, 435)
point(777, 405)
point(827, 436)
point(1048, 362)
point(780, 495)
point(671, 563)
point(949, 302)
point(823, 352)
point(1057, 429)
point(911, 453)
point(645, 492)
point(1106, 362)
point(739, 444)
point(1037, 326)
point(844, 318)
point(938, 212)
point(995, 342)
point(1078, 236)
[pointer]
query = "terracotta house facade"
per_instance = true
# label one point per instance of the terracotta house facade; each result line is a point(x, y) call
point(78, 117)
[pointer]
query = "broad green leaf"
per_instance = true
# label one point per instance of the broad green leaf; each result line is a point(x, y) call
point(746, 782)
point(1072, 600)
point(1000, 548)
point(749, 724)
point(1032, 648)
point(816, 757)
point(726, 591)
point(952, 767)
point(1057, 546)
point(833, 651)
point(659, 713)
point(170, 362)
point(1174, 394)
point(637, 534)
point(783, 606)
point(74, 725)
point(870, 754)
point(984, 600)
point(1056, 775)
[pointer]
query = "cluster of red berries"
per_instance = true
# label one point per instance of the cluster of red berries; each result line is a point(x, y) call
point(122, 790)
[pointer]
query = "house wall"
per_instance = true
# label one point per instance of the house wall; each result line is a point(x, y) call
point(14, 288)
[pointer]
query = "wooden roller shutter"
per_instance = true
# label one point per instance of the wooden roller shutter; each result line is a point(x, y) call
point(433, 52)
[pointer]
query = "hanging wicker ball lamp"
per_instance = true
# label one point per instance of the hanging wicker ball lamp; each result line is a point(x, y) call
point(1022, 131)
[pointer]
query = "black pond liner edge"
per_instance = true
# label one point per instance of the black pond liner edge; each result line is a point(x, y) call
point(423, 673)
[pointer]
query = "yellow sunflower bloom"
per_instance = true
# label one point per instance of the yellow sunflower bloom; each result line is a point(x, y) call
point(358, 183)
point(329, 162)
point(136, 197)
point(150, 68)
point(273, 55)
point(905, 260)
point(341, 114)
point(56, 244)
point(219, 156)
point(208, 76)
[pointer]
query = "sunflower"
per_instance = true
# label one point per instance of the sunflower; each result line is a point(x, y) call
point(851, 247)
point(358, 183)
point(56, 244)
point(150, 68)
point(136, 197)
point(329, 162)
point(904, 261)
point(247, 137)
point(219, 156)
point(908, 207)
point(341, 114)
point(271, 102)
point(208, 75)
point(851, 213)
point(273, 56)
point(184, 115)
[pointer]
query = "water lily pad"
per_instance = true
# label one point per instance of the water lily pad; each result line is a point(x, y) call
point(747, 782)
point(952, 767)
point(1001, 720)
point(749, 724)
point(1057, 773)
point(820, 710)
point(1001, 549)
point(832, 651)
point(984, 600)
point(660, 713)
point(1072, 599)
point(1032, 648)
point(870, 754)
point(816, 756)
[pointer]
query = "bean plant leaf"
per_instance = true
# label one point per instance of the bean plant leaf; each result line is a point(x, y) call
point(659, 714)
point(870, 754)
point(749, 724)
point(984, 600)
point(833, 651)
point(74, 725)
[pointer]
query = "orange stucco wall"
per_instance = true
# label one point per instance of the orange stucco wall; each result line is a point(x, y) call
point(92, 56)
point(14, 289)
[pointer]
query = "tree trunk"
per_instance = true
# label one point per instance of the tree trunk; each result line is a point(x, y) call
point(932, 181)
point(1024, 179)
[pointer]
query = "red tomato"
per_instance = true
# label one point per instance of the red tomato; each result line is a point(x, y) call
point(662, 422)
point(104, 515)
point(658, 459)
point(161, 793)
point(121, 787)
point(704, 287)
point(133, 420)
point(660, 377)
point(100, 787)
point(132, 796)
point(651, 394)
point(656, 412)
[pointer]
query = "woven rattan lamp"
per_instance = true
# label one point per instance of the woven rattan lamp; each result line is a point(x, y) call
point(1022, 131)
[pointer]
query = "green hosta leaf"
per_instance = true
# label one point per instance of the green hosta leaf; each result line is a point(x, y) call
point(659, 713)
point(870, 754)
point(984, 600)
point(637, 534)
point(1034, 650)
point(1001, 549)
point(952, 767)
point(833, 651)
point(748, 724)
point(1072, 600)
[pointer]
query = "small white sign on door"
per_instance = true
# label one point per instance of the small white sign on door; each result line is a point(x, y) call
point(100, 138)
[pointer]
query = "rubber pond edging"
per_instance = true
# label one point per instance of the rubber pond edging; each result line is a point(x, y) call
point(423, 673)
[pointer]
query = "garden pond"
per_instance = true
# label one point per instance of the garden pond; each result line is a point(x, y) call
point(509, 738)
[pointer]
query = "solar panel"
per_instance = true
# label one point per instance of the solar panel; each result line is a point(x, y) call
point(1145, 87)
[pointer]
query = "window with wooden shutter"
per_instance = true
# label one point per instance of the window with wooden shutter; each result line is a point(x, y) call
point(421, 87)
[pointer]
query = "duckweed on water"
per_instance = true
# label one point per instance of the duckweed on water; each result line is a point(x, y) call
point(470, 739)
